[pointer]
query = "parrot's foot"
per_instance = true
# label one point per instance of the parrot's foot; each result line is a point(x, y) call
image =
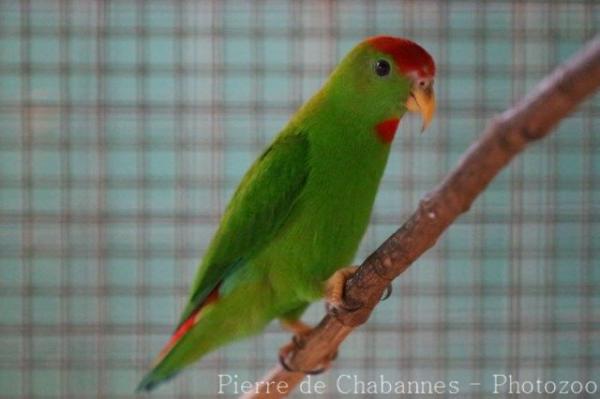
point(301, 331)
point(292, 347)
point(334, 290)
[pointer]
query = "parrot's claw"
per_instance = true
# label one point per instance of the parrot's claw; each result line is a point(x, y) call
point(387, 293)
point(286, 367)
point(334, 291)
point(292, 346)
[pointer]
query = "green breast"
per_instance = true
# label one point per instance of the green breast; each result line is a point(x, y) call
point(332, 214)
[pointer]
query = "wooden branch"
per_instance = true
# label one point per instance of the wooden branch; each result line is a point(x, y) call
point(507, 135)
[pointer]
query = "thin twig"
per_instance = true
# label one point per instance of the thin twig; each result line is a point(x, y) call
point(507, 135)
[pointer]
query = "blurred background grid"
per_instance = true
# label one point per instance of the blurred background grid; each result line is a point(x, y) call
point(126, 125)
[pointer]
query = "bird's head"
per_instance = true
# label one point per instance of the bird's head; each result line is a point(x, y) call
point(386, 76)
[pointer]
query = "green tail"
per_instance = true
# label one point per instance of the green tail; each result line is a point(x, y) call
point(152, 379)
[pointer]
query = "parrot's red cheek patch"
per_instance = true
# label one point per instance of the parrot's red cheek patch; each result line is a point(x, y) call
point(386, 130)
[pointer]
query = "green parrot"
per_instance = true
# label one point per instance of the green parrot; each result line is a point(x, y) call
point(295, 221)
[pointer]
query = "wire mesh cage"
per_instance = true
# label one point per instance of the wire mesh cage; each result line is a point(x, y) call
point(125, 126)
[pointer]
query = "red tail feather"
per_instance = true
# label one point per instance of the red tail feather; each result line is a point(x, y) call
point(188, 323)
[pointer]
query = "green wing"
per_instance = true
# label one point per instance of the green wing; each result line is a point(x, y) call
point(258, 209)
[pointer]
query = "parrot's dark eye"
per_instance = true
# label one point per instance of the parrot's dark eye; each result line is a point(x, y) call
point(382, 68)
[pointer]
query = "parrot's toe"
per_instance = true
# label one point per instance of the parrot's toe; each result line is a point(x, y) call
point(334, 290)
point(298, 327)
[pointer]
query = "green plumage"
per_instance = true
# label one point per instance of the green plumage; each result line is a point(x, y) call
point(297, 216)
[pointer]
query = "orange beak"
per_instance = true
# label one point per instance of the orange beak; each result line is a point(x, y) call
point(422, 100)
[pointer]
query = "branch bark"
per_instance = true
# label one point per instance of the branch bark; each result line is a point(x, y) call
point(506, 136)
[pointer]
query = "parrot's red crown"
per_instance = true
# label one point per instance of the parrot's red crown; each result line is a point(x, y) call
point(408, 55)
